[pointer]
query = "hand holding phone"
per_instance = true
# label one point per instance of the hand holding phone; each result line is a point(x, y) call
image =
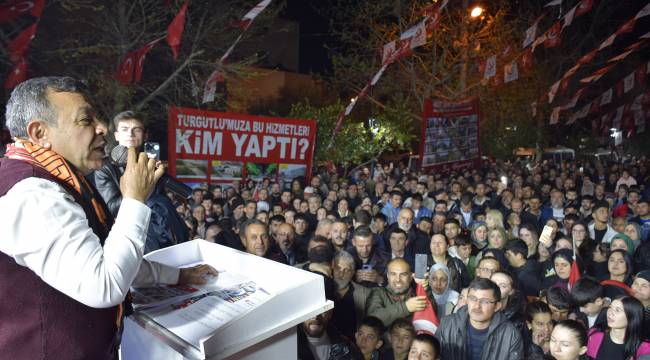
point(152, 149)
point(545, 237)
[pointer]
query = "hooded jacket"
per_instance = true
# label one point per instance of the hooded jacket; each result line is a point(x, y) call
point(503, 341)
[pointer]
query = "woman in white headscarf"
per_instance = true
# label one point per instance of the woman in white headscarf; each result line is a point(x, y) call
point(441, 294)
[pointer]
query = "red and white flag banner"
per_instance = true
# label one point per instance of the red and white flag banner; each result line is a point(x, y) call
point(555, 115)
point(596, 75)
point(18, 46)
point(141, 55)
point(247, 20)
point(584, 7)
point(510, 72)
point(10, 10)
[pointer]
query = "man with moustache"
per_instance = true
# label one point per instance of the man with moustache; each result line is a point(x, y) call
point(397, 299)
point(339, 235)
point(479, 331)
point(350, 296)
point(318, 340)
point(284, 249)
point(417, 241)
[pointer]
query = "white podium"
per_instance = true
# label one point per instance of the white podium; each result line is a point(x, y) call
point(268, 331)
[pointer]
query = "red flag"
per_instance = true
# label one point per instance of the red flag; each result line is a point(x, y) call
point(574, 276)
point(425, 321)
point(175, 30)
point(627, 27)
point(527, 59)
point(17, 75)
point(16, 8)
point(553, 38)
point(564, 85)
point(587, 58)
point(17, 48)
point(125, 70)
point(619, 89)
point(141, 54)
point(584, 6)
point(640, 75)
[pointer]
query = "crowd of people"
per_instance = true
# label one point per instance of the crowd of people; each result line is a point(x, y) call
point(500, 240)
point(513, 260)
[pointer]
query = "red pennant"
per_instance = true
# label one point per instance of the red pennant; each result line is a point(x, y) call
point(16, 8)
point(584, 7)
point(574, 275)
point(564, 85)
point(627, 27)
point(527, 59)
point(553, 38)
point(588, 57)
point(17, 75)
point(175, 30)
point(640, 75)
point(425, 321)
point(595, 106)
point(125, 70)
point(141, 54)
point(17, 48)
point(619, 89)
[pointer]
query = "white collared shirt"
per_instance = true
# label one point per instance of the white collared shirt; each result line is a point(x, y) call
point(45, 230)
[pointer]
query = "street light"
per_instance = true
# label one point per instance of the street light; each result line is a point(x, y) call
point(476, 11)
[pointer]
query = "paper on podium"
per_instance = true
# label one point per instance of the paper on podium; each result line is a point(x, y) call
point(252, 299)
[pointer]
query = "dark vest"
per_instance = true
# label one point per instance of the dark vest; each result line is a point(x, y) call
point(36, 320)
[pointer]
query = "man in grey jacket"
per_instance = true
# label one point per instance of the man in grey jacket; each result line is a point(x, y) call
point(479, 331)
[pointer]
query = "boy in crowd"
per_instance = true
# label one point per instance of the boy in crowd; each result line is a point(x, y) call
point(588, 294)
point(400, 335)
point(368, 337)
point(424, 347)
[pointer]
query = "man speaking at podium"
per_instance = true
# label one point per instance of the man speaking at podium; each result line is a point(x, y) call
point(65, 268)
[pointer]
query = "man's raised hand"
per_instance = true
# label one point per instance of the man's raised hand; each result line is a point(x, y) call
point(140, 176)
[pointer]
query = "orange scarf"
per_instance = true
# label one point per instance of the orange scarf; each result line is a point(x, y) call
point(58, 167)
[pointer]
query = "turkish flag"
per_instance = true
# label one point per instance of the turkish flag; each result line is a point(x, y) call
point(175, 30)
point(141, 54)
point(16, 8)
point(17, 48)
point(574, 275)
point(584, 7)
point(553, 38)
point(17, 75)
point(125, 70)
point(425, 321)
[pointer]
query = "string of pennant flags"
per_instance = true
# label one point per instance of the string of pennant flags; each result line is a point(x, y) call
point(551, 38)
point(394, 50)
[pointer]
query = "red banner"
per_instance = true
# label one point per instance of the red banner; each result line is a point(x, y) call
point(213, 147)
point(450, 135)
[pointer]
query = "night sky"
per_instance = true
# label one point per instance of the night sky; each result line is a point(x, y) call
point(313, 34)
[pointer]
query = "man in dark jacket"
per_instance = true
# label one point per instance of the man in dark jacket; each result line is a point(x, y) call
point(129, 131)
point(479, 331)
point(528, 272)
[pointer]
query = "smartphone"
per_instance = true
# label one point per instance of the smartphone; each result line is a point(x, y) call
point(546, 234)
point(504, 180)
point(366, 267)
point(152, 149)
point(420, 265)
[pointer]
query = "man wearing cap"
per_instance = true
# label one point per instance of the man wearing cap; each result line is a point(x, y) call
point(600, 230)
point(528, 272)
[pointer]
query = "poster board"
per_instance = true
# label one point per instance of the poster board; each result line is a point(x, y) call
point(450, 135)
point(219, 147)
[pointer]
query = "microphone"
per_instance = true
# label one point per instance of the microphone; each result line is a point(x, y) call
point(120, 154)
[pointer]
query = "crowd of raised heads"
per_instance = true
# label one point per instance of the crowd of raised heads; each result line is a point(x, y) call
point(542, 261)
